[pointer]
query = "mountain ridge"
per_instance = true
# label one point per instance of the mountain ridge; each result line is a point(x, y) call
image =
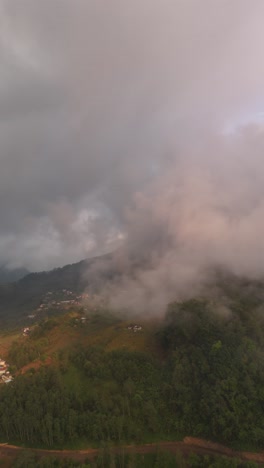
point(8, 275)
point(20, 298)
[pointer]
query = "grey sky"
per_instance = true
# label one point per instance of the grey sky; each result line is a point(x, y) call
point(104, 104)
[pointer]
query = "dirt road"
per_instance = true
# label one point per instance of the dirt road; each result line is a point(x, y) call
point(186, 447)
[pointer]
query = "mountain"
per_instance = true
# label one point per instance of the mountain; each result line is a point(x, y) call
point(20, 298)
point(10, 275)
point(95, 376)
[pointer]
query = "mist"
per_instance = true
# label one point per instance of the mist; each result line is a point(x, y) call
point(192, 221)
point(135, 128)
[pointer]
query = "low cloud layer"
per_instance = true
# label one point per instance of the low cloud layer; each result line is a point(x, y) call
point(193, 219)
point(134, 124)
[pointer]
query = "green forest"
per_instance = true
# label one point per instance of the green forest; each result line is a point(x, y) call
point(208, 381)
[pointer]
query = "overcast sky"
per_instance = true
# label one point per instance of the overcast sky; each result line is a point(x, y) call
point(118, 117)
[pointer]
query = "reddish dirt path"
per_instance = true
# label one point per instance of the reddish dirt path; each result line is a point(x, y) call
point(186, 447)
point(35, 365)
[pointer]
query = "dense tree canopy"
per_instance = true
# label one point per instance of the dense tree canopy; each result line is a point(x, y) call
point(208, 382)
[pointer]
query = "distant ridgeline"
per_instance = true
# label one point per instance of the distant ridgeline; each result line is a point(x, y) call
point(20, 298)
point(10, 275)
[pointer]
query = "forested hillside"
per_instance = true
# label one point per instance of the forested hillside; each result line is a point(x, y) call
point(18, 299)
point(207, 381)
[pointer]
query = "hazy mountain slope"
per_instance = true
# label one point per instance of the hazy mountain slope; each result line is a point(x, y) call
point(20, 298)
point(9, 276)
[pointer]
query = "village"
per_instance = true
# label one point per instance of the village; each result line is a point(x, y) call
point(59, 300)
point(65, 299)
point(134, 328)
point(5, 376)
point(53, 302)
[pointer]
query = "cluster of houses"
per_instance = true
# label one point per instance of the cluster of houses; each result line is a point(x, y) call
point(69, 299)
point(63, 299)
point(134, 328)
point(79, 320)
point(4, 372)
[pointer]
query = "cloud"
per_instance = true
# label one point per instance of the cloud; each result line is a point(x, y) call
point(112, 119)
point(193, 219)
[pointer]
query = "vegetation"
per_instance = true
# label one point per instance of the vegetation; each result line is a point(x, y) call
point(107, 459)
point(208, 382)
point(216, 376)
point(24, 352)
point(20, 298)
